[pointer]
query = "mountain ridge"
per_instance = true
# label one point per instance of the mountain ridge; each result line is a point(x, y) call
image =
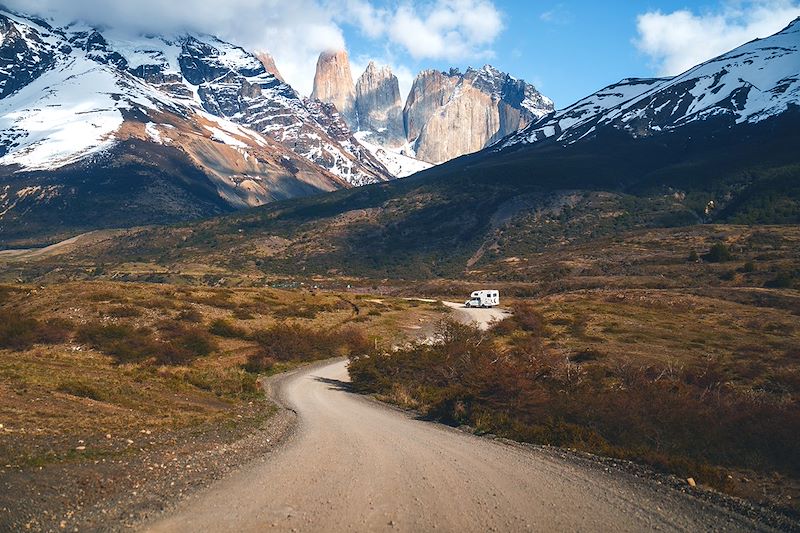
point(463, 113)
point(76, 96)
point(646, 106)
point(491, 213)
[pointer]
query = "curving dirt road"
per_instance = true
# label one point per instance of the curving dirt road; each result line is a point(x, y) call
point(482, 318)
point(356, 465)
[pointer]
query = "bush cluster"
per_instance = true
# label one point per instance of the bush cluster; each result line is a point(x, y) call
point(285, 342)
point(20, 332)
point(172, 343)
point(225, 328)
point(506, 381)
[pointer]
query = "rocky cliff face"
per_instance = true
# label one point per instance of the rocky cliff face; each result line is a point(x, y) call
point(451, 114)
point(333, 84)
point(446, 115)
point(269, 64)
point(379, 106)
point(429, 94)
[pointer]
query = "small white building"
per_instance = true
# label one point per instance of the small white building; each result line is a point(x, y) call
point(489, 298)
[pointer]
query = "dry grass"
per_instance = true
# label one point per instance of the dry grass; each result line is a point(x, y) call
point(82, 360)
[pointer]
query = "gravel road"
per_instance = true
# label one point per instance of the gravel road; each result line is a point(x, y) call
point(354, 464)
point(482, 318)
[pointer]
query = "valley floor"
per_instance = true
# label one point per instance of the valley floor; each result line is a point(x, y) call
point(112, 392)
point(118, 400)
point(355, 465)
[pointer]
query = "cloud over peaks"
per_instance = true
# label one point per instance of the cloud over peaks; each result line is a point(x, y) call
point(681, 39)
point(296, 31)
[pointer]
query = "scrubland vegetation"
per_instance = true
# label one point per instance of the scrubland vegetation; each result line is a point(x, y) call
point(657, 378)
point(675, 347)
point(80, 361)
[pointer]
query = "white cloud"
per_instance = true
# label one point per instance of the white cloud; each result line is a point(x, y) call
point(681, 39)
point(447, 29)
point(369, 19)
point(454, 29)
point(293, 32)
point(296, 31)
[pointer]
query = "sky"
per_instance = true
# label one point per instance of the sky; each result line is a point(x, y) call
point(567, 49)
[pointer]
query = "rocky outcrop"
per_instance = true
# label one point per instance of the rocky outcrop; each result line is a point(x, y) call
point(379, 105)
point(464, 125)
point(446, 115)
point(333, 84)
point(22, 59)
point(451, 114)
point(429, 94)
point(269, 64)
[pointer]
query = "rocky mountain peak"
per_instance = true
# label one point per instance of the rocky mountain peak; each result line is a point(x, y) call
point(269, 64)
point(449, 114)
point(379, 105)
point(333, 84)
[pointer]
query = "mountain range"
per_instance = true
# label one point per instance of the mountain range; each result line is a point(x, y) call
point(715, 145)
point(100, 129)
point(446, 114)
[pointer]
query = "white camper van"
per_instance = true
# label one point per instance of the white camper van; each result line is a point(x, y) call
point(483, 299)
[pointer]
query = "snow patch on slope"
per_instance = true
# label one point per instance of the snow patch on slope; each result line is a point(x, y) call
point(398, 164)
point(63, 116)
point(754, 82)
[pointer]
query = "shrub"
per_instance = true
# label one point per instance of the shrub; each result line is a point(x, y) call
point(259, 363)
point(226, 383)
point(219, 299)
point(124, 311)
point(122, 341)
point(54, 331)
point(784, 280)
point(224, 328)
point(80, 389)
point(183, 343)
point(189, 315)
point(177, 343)
point(693, 257)
point(719, 253)
point(242, 313)
point(524, 317)
point(297, 342)
point(19, 332)
point(300, 310)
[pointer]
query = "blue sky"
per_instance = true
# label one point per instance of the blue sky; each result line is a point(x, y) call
point(568, 49)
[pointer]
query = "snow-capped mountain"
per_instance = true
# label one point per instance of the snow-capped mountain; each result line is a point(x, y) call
point(188, 73)
point(749, 84)
point(198, 125)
